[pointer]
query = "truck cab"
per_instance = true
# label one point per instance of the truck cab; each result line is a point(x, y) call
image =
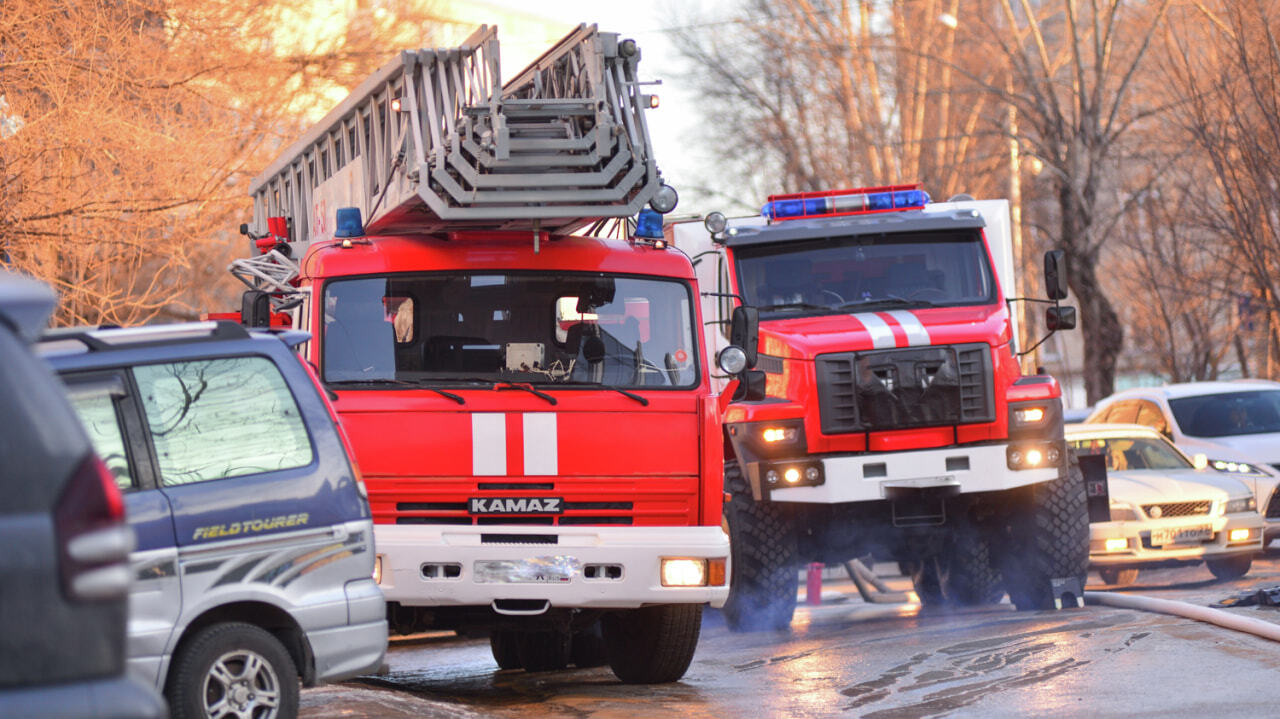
point(886, 412)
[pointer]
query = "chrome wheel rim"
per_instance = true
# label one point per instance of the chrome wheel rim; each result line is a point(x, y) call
point(241, 684)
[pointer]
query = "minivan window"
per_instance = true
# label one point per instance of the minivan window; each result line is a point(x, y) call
point(98, 415)
point(220, 418)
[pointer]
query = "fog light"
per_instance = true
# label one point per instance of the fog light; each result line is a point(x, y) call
point(1034, 456)
point(771, 476)
point(1117, 545)
point(812, 474)
point(377, 569)
point(684, 572)
point(792, 475)
point(1238, 535)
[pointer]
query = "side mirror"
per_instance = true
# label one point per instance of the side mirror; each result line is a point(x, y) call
point(255, 309)
point(1055, 274)
point(751, 386)
point(1060, 318)
point(744, 332)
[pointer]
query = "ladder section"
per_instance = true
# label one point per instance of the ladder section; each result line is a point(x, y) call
point(431, 142)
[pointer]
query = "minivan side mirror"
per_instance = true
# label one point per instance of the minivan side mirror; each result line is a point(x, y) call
point(1055, 274)
point(744, 331)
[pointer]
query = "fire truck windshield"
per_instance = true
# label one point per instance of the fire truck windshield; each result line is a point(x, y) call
point(842, 274)
point(567, 329)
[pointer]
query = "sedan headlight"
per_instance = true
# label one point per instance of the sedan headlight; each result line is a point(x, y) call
point(1240, 504)
point(1233, 467)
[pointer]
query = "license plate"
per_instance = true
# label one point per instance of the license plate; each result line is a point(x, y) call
point(535, 570)
point(1181, 535)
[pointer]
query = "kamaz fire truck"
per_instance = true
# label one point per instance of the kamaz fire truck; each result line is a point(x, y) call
point(882, 411)
point(530, 408)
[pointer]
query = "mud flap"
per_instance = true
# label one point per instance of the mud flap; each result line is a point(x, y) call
point(1067, 592)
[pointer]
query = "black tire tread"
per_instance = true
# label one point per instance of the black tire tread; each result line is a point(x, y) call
point(1049, 539)
point(504, 644)
point(543, 651)
point(652, 645)
point(762, 543)
point(1230, 567)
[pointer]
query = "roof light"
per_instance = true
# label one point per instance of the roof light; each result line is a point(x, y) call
point(665, 199)
point(349, 223)
point(649, 225)
point(844, 202)
point(715, 222)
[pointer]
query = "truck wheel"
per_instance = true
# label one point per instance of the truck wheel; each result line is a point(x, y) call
point(971, 577)
point(1048, 539)
point(1230, 567)
point(962, 575)
point(505, 647)
point(544, 651)
point(587, 649)
point(232, 669)
point(762, 545)
point(652, 645)
point(1111, 576)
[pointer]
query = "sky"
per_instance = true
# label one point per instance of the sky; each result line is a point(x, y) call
point(672, 126)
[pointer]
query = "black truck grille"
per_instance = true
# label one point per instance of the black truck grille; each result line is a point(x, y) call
point(902, 388)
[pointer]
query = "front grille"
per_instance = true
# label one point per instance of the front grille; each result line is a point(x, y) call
point(1178, 509)
point(901, 388)
point(1273, 506)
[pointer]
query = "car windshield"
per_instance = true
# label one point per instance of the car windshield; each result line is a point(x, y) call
point(468, 328)
point(847, 274)
point(1225, 415)
point(1127, 453)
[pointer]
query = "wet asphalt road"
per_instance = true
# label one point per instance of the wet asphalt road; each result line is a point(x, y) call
point(854, 659)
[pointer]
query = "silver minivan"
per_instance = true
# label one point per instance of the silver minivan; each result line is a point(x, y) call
point(253, 567)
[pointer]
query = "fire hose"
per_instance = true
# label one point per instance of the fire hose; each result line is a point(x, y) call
point(1249, 625)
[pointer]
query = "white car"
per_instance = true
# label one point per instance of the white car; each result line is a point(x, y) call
point(1236, 425)
point(1165, 511)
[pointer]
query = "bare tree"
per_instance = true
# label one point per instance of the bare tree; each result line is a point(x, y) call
point(132, 127)
point(1223, 61)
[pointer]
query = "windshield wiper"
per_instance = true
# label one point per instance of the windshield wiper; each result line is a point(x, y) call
point(793, 306)
point(644, 402)
point(404, 383)
point(501, 385)
point(891, 300)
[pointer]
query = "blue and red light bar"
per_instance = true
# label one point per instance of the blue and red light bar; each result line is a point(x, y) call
point(834, 203)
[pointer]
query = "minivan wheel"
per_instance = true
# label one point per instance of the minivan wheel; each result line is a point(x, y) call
point(233, 669)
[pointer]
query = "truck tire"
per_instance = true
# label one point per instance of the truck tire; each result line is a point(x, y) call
point(544, 651)
point(963, 575)
point(232, 667)
point(1112, 577)
point(1230, 567)
point(762, 546)
point(652, 645)
point(1048, 538)
point(587, 649)
point(505, 647)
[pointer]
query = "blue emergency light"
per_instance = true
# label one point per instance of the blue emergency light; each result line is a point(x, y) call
point(649, 225)
point(349, 223)
point(844, 202)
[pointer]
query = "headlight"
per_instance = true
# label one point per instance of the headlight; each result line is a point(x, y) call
point(1028, 416)
point(1233, 467)
point(1241, 504)
point(1032, 456)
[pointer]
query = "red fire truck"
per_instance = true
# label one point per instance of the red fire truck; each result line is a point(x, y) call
point(531, 409)
point(886, 414)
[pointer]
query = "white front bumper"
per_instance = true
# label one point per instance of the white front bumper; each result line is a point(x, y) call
point(863, 477)
point(1136, 531)
point(404, 549)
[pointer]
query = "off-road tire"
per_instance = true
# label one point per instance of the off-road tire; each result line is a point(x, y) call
point(762, 545)
point(652, 645)
point(1048, 538)
point(543, 651)
point(505, 646)
point(1230, 567)
point(963, 575)
point(587, 649)
point(1117, 577)
point(972, 577)
point(190, 689)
